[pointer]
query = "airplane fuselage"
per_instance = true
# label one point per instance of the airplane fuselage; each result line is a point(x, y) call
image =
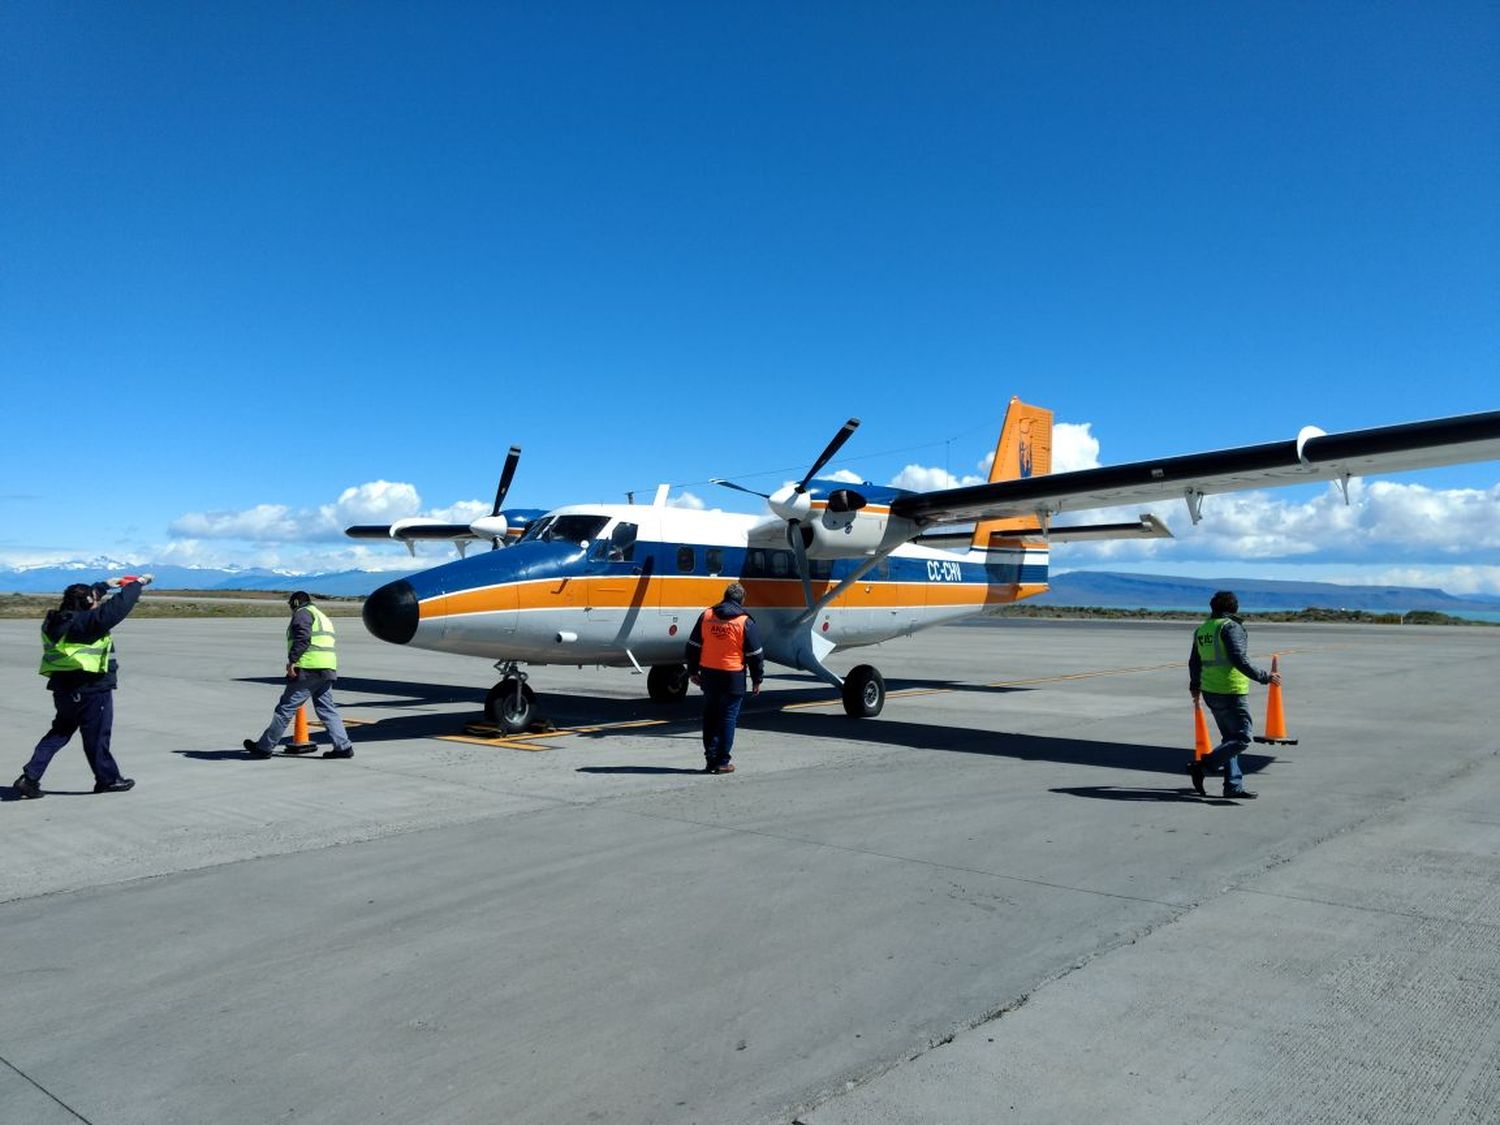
point(623, 584)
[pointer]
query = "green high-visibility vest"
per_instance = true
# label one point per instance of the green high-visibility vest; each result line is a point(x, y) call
point(1217, 674)
point(73, 656)
point(319, 652)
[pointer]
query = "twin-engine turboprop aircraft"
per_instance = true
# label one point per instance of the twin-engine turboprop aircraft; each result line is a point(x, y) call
point(833, 565)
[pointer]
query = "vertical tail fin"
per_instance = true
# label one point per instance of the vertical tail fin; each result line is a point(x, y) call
point(1024, 450)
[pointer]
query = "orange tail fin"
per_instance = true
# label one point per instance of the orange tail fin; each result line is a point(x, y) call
point(1024, 450)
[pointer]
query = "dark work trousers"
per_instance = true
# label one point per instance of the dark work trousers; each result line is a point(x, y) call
point(721, 711)
point(93, 713)
point(308, 683)
point(1232, 714)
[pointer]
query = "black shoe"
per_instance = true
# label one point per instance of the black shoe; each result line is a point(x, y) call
point(1195, 771)
point(28, 789)
point(346, 752)
point(1238, 794)
point(253, 750)
point(119, 785)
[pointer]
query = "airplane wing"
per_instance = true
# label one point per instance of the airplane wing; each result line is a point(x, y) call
point(1311, 456)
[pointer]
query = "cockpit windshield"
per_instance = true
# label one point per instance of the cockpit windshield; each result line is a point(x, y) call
point(572, 529)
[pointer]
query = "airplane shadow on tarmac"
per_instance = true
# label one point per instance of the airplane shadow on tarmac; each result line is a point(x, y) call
point(774, 711)
point(400, 691)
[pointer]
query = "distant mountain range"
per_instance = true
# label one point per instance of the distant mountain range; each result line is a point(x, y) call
point(1110, 590)
point(51, 579)
point(1106, 589)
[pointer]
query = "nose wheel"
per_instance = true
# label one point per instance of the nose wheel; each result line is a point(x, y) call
point(511, 704)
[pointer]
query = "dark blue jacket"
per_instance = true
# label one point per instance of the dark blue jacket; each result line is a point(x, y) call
point(85, 626)
point(731, 683)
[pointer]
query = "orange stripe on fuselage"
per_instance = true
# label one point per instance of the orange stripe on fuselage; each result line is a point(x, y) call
point(675, 592)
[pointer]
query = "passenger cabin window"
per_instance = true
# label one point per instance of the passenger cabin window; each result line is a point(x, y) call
point(713, 558)
point(763, 563)
point(685, 560)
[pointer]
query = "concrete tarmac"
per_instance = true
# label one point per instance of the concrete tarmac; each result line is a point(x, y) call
point(999, 901)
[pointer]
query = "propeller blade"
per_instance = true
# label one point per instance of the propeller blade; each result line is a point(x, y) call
point(511, 460)
point(739, 487)
point(833, 447)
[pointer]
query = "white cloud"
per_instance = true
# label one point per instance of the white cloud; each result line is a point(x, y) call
point(304, 539)
point(922, 478)
point(686, 500)
point(846, 475)
point(262, 523)
point(1073, 447)
point(1384, 521)
point(465, 511)
point(377, 501)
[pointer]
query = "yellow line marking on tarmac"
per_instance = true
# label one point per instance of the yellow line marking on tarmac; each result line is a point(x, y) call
point(525, 741)
point(502, 743)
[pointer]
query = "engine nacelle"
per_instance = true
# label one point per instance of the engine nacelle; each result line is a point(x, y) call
point(853, 534)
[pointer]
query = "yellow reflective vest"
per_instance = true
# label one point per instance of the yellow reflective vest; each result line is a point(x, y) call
point(74, 656)
point(319, 652)
point(1216, 672)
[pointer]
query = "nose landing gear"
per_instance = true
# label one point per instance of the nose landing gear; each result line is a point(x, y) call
point(510, 704)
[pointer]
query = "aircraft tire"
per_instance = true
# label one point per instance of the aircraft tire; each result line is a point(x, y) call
point(510, 713)
point(864, 692)
point(667, 683)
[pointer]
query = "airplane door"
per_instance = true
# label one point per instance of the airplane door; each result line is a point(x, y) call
point(617, 585)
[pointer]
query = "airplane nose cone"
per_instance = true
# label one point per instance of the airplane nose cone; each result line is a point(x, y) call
point(391, 613)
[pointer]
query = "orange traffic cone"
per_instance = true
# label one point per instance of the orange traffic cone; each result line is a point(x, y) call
point(300, 743)
point(1275, 720)
point(1202, 747)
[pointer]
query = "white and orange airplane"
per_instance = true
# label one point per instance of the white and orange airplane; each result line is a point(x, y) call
point(832, 565)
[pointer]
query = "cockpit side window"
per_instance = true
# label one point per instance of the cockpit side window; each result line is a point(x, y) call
point(579, 529)
point(622, 542)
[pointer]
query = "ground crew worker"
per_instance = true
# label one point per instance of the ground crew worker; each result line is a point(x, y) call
point(1219, 672)
point(78, 659)
point(724, 643)
point(311, 669)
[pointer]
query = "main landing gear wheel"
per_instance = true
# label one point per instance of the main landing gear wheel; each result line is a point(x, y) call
point(510, 705)
point(864, 692)
point(667, 683)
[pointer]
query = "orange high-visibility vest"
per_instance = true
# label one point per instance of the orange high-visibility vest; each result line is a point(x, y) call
point(723, 642)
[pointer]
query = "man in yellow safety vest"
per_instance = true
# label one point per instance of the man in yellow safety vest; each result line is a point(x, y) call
point(311, 669)
point(78, 659)
point(1219, 673)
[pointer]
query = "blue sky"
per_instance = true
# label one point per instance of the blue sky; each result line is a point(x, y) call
point(267, 269)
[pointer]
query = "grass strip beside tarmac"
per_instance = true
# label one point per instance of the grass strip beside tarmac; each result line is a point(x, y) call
point(190, 603)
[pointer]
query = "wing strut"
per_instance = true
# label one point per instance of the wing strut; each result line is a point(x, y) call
point(1194, 500)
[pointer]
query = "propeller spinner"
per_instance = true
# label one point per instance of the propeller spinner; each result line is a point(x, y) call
point(792, 503)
